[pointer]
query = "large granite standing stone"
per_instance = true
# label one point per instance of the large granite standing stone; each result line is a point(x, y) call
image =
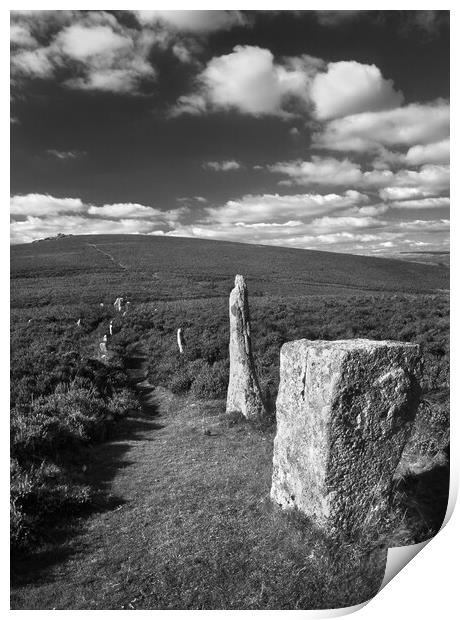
point(344, 413)
point(243, 393)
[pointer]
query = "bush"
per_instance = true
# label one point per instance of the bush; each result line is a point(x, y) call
point(122, 402)
point(61, 401)
point(180, 382)
point(212, 381)
point(56, 422)
point(37, 494)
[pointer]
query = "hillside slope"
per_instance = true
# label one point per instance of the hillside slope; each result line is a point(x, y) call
point(88, 268)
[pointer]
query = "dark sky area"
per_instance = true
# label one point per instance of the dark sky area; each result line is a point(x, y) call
point(316, 129)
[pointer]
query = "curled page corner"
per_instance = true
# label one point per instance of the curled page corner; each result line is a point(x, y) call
point(332, 613)
point(397, 558)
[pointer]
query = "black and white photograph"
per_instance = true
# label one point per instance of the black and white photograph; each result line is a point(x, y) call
point(229, 304)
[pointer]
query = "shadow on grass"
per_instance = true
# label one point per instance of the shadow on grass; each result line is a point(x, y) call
point(424, 498)
point(94, 466)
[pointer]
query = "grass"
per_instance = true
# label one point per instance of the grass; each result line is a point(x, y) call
point(197, 529)
point(169, 508)
point(155, 268)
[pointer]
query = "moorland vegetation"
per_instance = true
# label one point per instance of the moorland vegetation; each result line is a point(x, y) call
point(65, 400)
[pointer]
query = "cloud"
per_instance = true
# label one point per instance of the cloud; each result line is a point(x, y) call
point(423, 203)
point(126, 211)
point(64, 155)
point(197, 22)
point(222, 166)
point(37, 215)
point(36, 228)
point(275, 208)
point(349, 87)
point(425, 225)
point(328, 224)
point(324, 171)
point(403, 193)
point(414, 124)
point(429, 178)
point(20, 35)
point(436, 153)
point(344, 223)
point(85, 50)
point(330, 171)
point(248, 80)
point(32, 63)
point(44, 205)
point(82, 42)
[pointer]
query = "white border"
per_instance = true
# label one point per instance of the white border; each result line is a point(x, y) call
point(429, 587)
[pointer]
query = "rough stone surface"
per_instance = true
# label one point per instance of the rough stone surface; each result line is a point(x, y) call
point(344, 413)
point(243, 388)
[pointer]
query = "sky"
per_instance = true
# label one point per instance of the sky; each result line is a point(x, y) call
point(324, 130)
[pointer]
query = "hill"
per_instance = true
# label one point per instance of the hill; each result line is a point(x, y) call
point(149, 268)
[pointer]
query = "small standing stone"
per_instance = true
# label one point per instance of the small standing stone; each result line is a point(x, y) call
point(103, 347)
point(180, 340)
point(344, 413)
point(243, 393)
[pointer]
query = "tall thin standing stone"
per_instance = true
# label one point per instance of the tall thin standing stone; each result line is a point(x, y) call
point(344, 412)
point(243, 393)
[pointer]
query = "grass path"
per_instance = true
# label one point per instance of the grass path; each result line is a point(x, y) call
point(112, 258)
point(189, 525)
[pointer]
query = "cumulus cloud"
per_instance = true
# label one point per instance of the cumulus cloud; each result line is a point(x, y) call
point(37, 215)
point(324, 171)
point(327, 224)
point(414, 124)
point(198, 22)
point(425, 225)
point(343, 222)
point(222, 166)
point(20, 35)
point(330, 171)
point(32, 63)
point(422, 203)
point(436, 153)
point(44, 205)
point(37, 227)
point(403, 193)
point(276, 208)
point(349, 87)
point(96, 50)
point(82, 42)
point(249, 81)
point(127, 211)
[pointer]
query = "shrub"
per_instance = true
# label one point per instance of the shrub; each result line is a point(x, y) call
point(56, 422)
point(122, 402)
point(180, 382)
point(38, 493)
point(212, 381)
